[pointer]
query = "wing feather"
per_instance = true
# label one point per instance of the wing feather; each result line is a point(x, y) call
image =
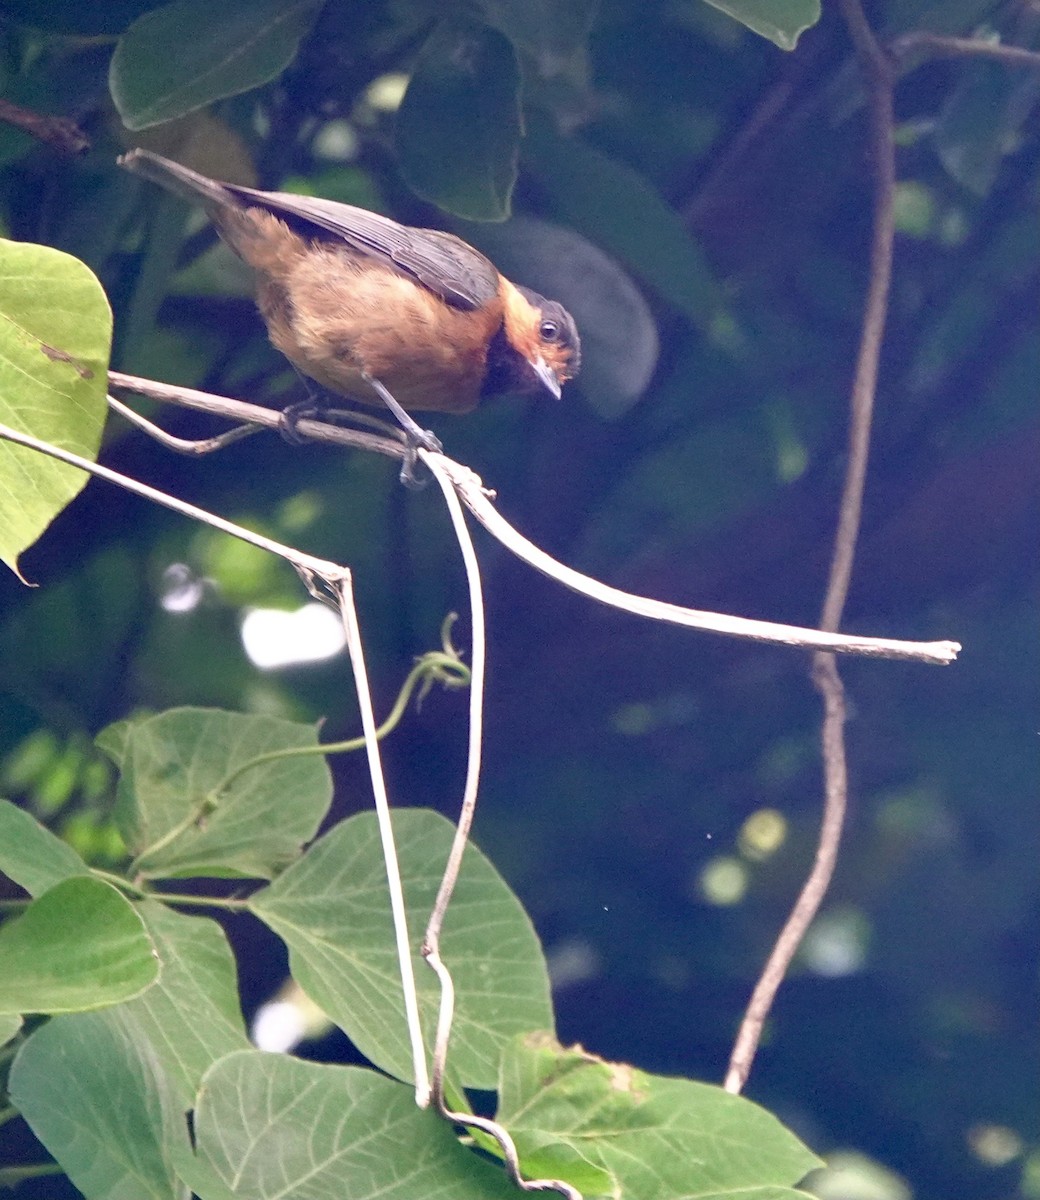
point(441, 262)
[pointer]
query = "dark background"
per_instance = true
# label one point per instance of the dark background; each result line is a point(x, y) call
point(727, 186)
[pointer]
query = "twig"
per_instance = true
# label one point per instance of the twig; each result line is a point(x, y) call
point(476, 500)
point(431, 941)
point(880, 85)
point(769, 107)
point(255, 414)
point(193, 446)
point(938, 45)
point(57, 132)
point(301, 561)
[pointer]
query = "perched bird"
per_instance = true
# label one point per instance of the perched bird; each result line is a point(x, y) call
point(365, 306)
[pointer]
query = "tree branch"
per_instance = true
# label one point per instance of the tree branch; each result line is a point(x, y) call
point(59, 133)
point(879, 79)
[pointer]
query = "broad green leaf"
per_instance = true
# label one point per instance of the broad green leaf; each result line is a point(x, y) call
point(781, 21)
point(81, 945)
point(275, 1127)
point(10, 1023)
point(186, 805)
point(187, 54)
point(191, 1017)
point(31, 855)
point(617, 208)
point(657, 1137)
point(332, 909)
point(55, 332)
point(459, 124)
point(96, 1097)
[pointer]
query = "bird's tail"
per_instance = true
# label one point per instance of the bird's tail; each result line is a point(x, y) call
point(257, 236)
point(183, 181)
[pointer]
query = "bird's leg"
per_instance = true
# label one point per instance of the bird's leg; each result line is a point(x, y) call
point(416, 438)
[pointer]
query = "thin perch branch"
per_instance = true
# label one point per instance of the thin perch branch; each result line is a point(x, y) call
point(254, 414)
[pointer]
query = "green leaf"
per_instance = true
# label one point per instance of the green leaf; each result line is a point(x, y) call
point(333, 912)
point(271, 1126)
point(191, 1017)
point(96, 1097)
point(55, 332)
point(81, 945)
point(656, 1137)
point(185, 55)
point(619, 210)
point(10, 1023)
point(31, 855)
point(459, 124)
point(185, 805)
point(781, 21)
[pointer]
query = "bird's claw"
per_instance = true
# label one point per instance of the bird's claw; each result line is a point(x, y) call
point(422, 439)
point(290, 418)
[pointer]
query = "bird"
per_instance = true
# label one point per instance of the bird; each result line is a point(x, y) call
point(381, 312)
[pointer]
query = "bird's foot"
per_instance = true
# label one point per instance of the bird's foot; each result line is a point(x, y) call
point(292, 415)
point(417, 439)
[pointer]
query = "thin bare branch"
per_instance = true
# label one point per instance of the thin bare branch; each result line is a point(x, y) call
point(256, 414)
point(59, 133)
point(476, 696)
point(879, 78)
point(477, 500)
point(318, 567)
point(195, 447)
point(880, 85)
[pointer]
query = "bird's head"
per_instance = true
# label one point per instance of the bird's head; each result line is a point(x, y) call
point(542, 346)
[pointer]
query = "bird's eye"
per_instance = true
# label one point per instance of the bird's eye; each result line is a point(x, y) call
point(549, 331)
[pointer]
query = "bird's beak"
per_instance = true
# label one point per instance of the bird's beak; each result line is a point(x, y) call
point(546, 376)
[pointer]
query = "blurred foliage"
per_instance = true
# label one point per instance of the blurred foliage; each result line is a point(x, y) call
point(653, 796)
